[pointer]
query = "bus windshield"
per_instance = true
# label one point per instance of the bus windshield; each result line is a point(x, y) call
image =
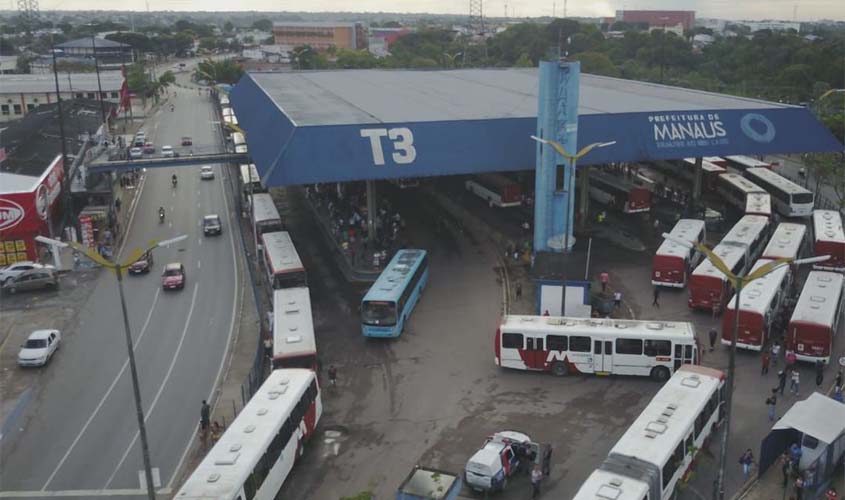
point(378, 313)
point(802, 198)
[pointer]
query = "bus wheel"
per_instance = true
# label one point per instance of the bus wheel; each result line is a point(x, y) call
point(559, 368)
point(660, 374)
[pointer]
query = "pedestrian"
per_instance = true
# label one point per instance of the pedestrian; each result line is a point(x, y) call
point(746, 460)
point(268, 346)
point(519, 290)
point(655, 302)
point(794, 381)
point(795, 455)
point(713, 334)
point(785, 466)
point(837, 382)
point(764, 362)
point(546, 313)
point(838, 397)
point(799, 488)
point(775, 353)
point(547, 460)
point(781, 381)
point(332, 375)
point(790, 358)
point(770, 403)
point(536, 477)
point(205, 415)
point(819, 372)
point(617, 299)
point(604, 278)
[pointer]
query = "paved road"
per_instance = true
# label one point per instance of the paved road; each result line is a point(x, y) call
point(80, 432)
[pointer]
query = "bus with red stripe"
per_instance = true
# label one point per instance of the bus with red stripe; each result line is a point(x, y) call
point(740, 192)
point(829, 239)
point(817, 316)
point(294, 344)
point(738, 250)
point(673, 262)
point(563, 345)
point(760, 303)
point(619, 193)
point(788, 241)
point(496, 189)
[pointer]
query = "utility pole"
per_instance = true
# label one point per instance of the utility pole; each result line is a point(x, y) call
point(65, 167)
point(99, 85)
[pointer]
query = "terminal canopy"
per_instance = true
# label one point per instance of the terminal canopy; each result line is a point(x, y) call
point(326, 126)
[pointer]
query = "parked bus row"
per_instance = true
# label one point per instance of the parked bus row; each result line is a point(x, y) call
point(659, 449)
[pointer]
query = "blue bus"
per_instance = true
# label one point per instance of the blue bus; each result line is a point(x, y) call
point(394, 295)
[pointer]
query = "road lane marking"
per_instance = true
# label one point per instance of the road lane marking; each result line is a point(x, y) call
point(235, 302)
point(198, 264)
point(163, 383)
point(105, 396)
point(82, 493)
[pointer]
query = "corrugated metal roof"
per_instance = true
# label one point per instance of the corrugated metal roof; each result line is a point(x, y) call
point(376, 96)
point(68, 82)
point(83, 43)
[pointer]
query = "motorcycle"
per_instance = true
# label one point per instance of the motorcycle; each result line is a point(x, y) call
point(173, 181)
point(172, 107)
point(161, 216)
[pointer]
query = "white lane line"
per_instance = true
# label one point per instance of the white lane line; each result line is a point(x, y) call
point(163, 383)
point(81, 493)
point(170, 225)
point(105, 396)
point(198, 264)
point(228, 339)
point(199, 241)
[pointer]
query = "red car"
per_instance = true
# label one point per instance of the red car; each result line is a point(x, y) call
point(173, 276)
point(186, 141)
point(142, 265)
point(149, 148)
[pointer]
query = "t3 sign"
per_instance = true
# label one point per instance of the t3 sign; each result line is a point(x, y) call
point(401, 141)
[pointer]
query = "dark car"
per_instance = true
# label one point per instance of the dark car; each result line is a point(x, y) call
point(187, 141)
point(35, 279)
point(142, 265)
point(211, 225)
point(149, 148)
point(173, 276)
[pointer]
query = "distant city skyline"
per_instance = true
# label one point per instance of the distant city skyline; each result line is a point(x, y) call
point(783, 10)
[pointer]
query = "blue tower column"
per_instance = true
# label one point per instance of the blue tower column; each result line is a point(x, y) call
point(557, 120)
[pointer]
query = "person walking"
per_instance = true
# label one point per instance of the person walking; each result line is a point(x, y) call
point(775, 352)
point(770, 403)
point(546, 313)
point(656, 302)
point(785, 467)
point(332, 375)
point(617, 299)
point(799, 487)
point(205, 423)
point(536, 477)
point(819, 372)
point(837, 382)
point(604, 278)
point(713, 335)
point(764, 362)
point(794, 382)
point(746, 460)
point(781, 381)
point(831, 494)
point(519, 290)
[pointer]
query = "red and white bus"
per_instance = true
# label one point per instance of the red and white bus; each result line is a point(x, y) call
point(619, 193)
point(817, 316)
point(265, 217)
point(257, 451)
point(743, 163)
point(829, 239)
point(738, 249)
point(496, 189)
point(790, 199)
point(736, 190)
point(673, 262)
point(710, 171)
point(294, 344)
point(758, 204)
point(281, 261)
point(660, 448)
point(601, 346)
point(788, 241)
point(760, 303)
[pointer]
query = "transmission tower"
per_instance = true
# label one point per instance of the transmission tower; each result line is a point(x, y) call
point(29, 14)
point(476, 17)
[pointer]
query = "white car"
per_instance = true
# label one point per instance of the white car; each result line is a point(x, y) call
point(17, 268)
point(206, 172)
point(167, 151)
point(39, 347)
point(135, 153)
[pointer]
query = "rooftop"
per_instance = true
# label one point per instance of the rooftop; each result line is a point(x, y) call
point(313, 24)
point(373, 96)
point(68, 82)
point(100, 43)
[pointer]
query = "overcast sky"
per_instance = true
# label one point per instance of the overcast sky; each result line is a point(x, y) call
point(802, 10)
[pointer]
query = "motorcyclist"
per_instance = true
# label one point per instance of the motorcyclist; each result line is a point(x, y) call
point(161, 213)
point(173, 179)
point(172, 107)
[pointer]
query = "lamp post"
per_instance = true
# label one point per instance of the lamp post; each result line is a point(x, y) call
point(738, 282)
point(118, 269)
point(452, 57)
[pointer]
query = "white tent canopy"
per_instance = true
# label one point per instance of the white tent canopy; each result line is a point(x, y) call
point(819, 416)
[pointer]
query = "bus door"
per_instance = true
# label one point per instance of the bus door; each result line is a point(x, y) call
point(535, 353)
point(684, 355)
point(603, 356)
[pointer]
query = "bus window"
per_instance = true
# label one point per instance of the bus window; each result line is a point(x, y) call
point(629, 346)
point(512, 340)
point(557, 342)
point(579, 344)
point(378, 313)
point(658, 348)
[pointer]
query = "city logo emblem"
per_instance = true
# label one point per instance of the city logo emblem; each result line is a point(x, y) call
point(757, 127)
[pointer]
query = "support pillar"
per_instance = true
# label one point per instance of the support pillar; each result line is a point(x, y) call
point(371, 211)
point(584, 202)
point(696, 185)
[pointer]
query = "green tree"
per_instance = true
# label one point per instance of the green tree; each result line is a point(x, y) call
point(228, 27)
point(226, 71)
point(348, 59)
point(524, 61)
point(598, 64)
point(305, 57)
point(167, 78)
point(828, 169)
point(263, 24)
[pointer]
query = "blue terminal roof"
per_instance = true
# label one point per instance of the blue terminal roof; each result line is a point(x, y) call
point(326, 126)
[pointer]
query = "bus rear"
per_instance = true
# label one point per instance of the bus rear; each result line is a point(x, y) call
point(817, 316)
point(759, 304)
point(394, 295)
point(672, 262)
point(639, 200)
point(829, 239)
point(294, 343)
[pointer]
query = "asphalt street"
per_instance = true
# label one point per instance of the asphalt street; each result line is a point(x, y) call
point(80, 431)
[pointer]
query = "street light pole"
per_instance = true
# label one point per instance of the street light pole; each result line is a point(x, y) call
point(719, 492)
point(139, 408)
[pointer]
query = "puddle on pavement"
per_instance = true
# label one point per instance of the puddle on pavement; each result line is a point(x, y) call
point(332, 440)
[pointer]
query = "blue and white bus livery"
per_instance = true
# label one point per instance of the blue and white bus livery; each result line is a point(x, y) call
point(392, 298)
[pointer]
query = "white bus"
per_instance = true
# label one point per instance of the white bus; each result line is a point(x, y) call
point(281, 262)
point(254, 456)
point(658, 449)
point(239, 141)
point(250, 180)
point(743, 163)
point(736, 189)
point(758, 204)
point(294, 345)
point(265, 216)
point(790, 199)
point(760, 304)
point(788, 241)
point(496, 189)
point(817, 317)
point(829, 239)
point(602, 346)
point(673, 262)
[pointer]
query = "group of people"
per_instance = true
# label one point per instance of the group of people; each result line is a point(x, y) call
point(208, 428)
